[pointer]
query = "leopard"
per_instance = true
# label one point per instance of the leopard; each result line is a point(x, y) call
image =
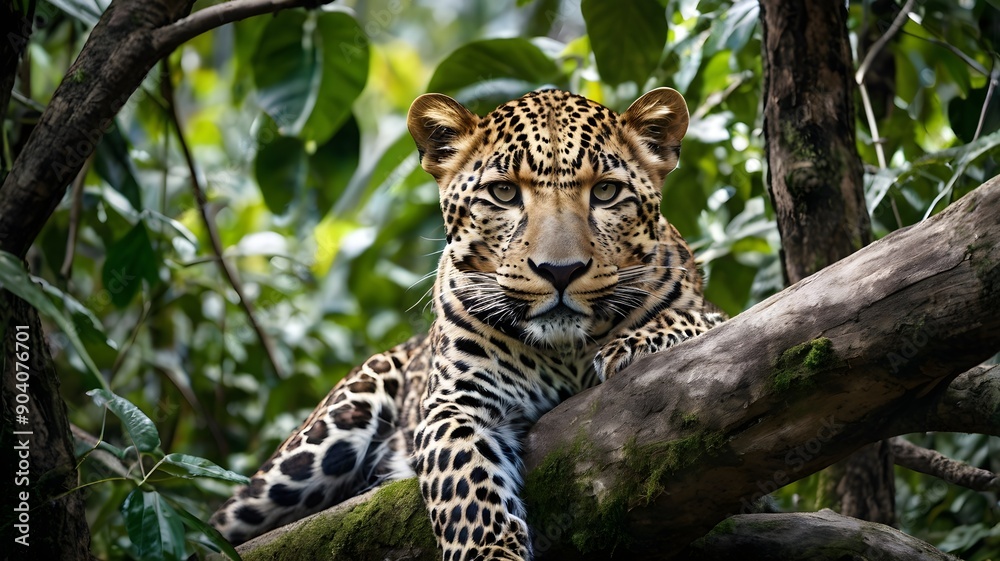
point(558, 271)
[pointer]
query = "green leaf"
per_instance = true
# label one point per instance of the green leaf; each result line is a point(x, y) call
point(114, 165)
point(155, 528)
point(200, 467)
point(298, 184)
point(332, 166)
point(481, 62)
point(15, 278)
point(130, 260)
point(543, 14)
point(627, 38)
point(281, 169)
point(344, 53)
point(140, 428)
point(964, 114)
point(739, 23)
point(309, 69)
point(84, 320)
point(209, 532)
point(732, 288)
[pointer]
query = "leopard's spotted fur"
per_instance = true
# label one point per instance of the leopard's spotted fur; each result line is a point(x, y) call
point(559, 270)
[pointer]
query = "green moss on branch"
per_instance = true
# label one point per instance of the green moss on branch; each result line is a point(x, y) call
point(795, 367)
point(393, 523)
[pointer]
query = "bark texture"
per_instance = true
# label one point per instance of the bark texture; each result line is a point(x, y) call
point(819, 536)
point(815, 183)
point(15, 28)
point(971, 404)
point(116, 58)
point(934, 463)
point(643, 465)
point(814, 172)
point(56, 526)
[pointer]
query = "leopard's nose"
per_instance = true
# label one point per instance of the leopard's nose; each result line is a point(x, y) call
point(560, 275)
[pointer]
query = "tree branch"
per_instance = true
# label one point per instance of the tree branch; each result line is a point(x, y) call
point(171, 36)
point(130, 38)
point(931, 462)
point(784, 389)
point(642, 465)
point(818, 536)
point(167, 89)
point(970, 403)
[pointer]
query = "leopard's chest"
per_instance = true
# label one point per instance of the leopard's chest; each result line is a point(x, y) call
point(490, 374)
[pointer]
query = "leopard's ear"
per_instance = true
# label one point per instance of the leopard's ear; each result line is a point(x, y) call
point(660, 117)
point(439, 125)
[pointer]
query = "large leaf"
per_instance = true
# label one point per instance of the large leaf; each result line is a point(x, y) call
point(140, 428)
point(490, 60)
point(296, 183)
point(281, 169)
point(309, 68)
point(739, 23)
point(155, 528)
point(130, 260)
point(200, 467)
point(332, 166)
point(627, 38)
point(15, 278)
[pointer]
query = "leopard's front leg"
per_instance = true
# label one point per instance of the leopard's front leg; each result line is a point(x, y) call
point(467, 460)
point(663, 331)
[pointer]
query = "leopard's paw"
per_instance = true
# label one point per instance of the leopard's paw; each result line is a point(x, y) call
point(622, 351)
point(616, 355)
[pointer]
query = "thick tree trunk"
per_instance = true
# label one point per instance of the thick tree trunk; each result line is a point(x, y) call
point(815, 182)
point(15, 28)
point(42, 519)
point(646, 463)
point(814, 171)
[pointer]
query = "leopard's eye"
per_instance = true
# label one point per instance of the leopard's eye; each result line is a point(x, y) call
point(603, 193)
point(503, 192)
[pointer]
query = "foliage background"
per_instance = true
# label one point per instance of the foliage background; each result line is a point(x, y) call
point(296, 128)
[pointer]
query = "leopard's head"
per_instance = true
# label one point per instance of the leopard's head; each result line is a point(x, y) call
point(551, 206)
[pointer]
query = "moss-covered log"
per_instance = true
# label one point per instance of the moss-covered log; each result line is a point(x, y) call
point(866, 349)
point(386, 523)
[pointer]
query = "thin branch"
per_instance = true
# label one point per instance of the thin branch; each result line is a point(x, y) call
point(955, 50)
point(74, 219)
point(106, 459)
point(26, 101)
point(994, 77)
point(859, 77)
point(873, 52)
point(872, 125)
point(931, 462)
point(130, 342)
point(213, 233)
point(192, 399)
point(173, 35)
